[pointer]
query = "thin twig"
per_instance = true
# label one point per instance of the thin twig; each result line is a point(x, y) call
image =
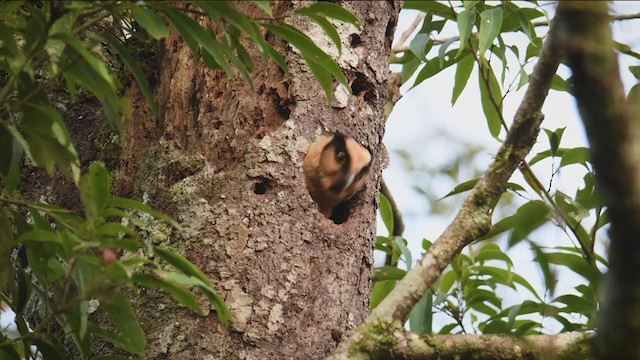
point(405, 34)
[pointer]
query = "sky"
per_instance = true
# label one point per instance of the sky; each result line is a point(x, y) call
point(426, 126)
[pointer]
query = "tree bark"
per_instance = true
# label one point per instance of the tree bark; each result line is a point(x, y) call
point(227, 163)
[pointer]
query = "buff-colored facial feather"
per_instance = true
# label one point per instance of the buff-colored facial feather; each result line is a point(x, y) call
point(335, 168)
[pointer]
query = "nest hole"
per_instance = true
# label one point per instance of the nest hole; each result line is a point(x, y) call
point(262, 186)
point(340, 213)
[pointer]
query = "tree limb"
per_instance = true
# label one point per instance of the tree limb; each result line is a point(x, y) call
point(614, 136)
point(387, 342)
point(474, 218)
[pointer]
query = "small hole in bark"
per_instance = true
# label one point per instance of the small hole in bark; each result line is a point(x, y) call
point(360, 84)
point(340, 213)
point(355, 40)
point(261, 186)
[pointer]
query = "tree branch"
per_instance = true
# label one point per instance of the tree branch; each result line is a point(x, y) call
point(405, 34)
point(614, 136)
point(474, 218)
point(388, 342)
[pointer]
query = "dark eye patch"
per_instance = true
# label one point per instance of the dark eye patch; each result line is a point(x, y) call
point(363, 171)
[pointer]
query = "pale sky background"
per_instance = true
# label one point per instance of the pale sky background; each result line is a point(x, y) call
point(424, 113)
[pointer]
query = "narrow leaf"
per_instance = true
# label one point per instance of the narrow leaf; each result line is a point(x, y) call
point(136, 69)
point(386, 213)
point(465, 20)
point(331, 10)
point(151, 22)
point(463, 71)
point(490, 24)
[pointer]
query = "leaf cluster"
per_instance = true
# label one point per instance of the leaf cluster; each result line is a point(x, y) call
point(470, 292)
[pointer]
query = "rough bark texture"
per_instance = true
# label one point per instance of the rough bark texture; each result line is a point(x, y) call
point(614, 136)
point(227, 163)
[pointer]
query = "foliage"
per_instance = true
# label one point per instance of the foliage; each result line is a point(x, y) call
point(470, 293)
point(69, 261)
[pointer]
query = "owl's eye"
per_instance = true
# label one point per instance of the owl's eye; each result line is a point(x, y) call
point(340, 157)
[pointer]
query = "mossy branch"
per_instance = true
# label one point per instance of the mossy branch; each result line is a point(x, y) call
point(383, 341)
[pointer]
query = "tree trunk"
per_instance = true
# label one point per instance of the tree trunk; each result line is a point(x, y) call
point(227, 163)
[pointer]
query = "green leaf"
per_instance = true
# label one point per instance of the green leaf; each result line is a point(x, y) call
point(524, 78)
point(434, 66)
point(533, 49)
point(527, 218)
point(525, 24)
point(50, 347)
point(554, 139)
point(136, 205)
point(388, 273)
point(113, 106)
point(278, 58)
point(579, 155)
point(545, 154)
point(97, 64)
point(10, 160)
point(410, 64)
point(470, 4)
point(465, 186)
point(491, 113)
point(429, 6)
point(406, 253)
point(446, 282)
point(321, 64)
point(421, 316)
point(331, 10)
point(575, 263)
point(181, 263)
point(386, 213)
point(130, 336)
point(328, 28)
point(560, 84)
point(182, 295)
point(576, 304)
point(227, 10)
point(151, 22)
point(39, 236)
point(6, 247)
point(635, 71)
point(380, 291)
point(94, 189)
point(447, 328)
point(465, 20)
point(46, 139)
point(420, 45)
point(8, 351)
point(264, 5)
point(491, 251)
point(463, 71)
point(496, 327)
point(490, 24)
point(136, 69)
point(186, 27)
